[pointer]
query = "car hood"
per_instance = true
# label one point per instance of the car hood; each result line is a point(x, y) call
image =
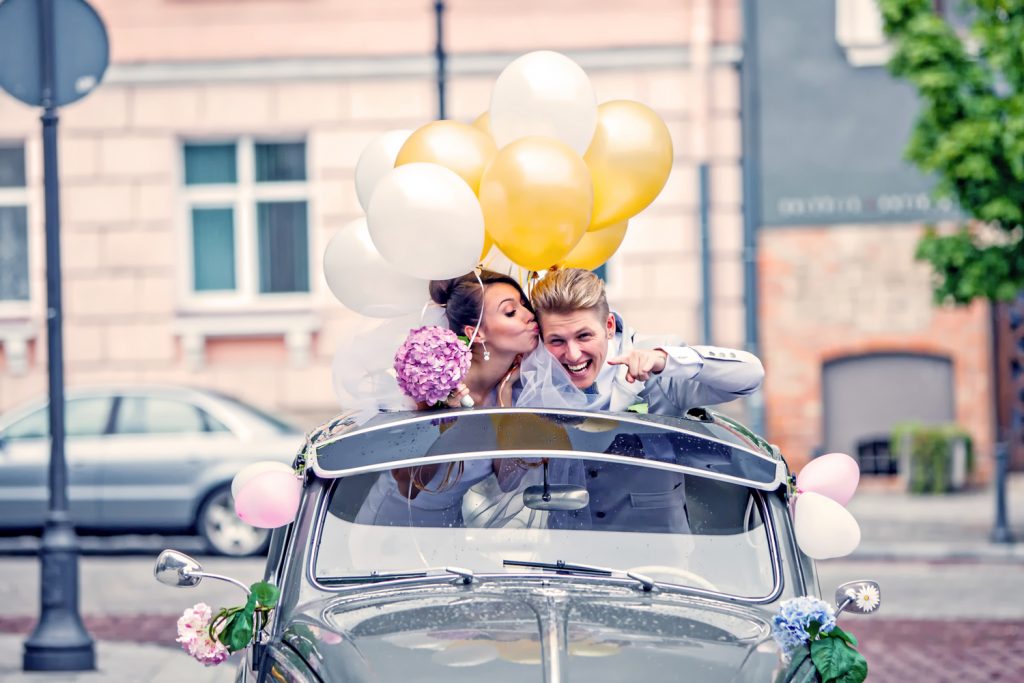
point(540, 633)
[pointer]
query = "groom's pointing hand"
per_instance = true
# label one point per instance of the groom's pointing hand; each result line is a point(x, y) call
point(641, 363)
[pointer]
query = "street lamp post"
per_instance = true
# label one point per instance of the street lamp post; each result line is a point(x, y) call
point(52, 53)
point(750, 114)
point(442, 58)
point(60, 641)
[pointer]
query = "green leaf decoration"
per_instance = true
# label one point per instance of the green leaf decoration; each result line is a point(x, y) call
point(238, 633)
point(848, 638)
point(637, 408)
point(812, 630)
point(836, 661)
point(266, 594)
point(250, 604)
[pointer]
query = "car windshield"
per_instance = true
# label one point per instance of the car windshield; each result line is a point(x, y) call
point(673, 526)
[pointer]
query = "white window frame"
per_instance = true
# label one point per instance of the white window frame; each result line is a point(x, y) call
point(859, 32)
point(242, 197)
point(19, 197)
point(17, 326)
point(244, 312)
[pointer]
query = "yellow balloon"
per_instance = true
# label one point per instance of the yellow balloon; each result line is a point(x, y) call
point(629, 158)
point(483, 122)
point(457, 146)
point(536, 197)
point(596, 247)
point(488, 243)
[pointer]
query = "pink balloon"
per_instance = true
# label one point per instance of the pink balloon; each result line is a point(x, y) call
point(269, 500)
point(834, 475)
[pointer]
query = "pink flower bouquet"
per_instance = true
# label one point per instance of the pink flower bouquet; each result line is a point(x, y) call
point(430, 363)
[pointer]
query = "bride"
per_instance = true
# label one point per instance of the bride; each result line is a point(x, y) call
point(493, 311)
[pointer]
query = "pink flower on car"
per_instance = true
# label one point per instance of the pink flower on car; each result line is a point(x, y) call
point(195, 638)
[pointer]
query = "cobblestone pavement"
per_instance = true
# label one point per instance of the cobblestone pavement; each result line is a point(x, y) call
point(965, 651)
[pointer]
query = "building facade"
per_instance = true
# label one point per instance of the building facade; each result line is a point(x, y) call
point(202, 181)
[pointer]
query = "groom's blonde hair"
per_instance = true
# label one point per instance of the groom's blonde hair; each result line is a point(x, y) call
point(569, 290)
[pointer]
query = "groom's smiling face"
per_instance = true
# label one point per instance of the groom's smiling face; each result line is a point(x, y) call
point(579, 341)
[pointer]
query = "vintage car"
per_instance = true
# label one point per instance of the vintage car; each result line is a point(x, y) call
point(530, 545)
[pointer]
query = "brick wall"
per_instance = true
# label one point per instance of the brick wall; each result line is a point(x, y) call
point(832, 292)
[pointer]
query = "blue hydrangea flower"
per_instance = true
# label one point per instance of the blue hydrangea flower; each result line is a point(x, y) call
point(791, 623)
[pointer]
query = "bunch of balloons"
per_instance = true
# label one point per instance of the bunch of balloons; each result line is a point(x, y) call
point(266, 494)
point(824, 527)
point(545, 177)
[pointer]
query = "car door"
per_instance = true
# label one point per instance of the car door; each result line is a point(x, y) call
point(153, 468)
point(25, 461)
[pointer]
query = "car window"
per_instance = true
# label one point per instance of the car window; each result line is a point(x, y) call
point(82, 417)
point(212, 423)
point(274, 423)
point(143, 415)
point(33, 426)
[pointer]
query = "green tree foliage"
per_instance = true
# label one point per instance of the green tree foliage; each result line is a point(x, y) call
point(970, 136)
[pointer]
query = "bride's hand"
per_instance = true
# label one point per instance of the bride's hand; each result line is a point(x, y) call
point(455, 399)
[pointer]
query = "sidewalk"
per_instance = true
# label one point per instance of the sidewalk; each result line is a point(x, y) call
point(954, 527)
point(119, 662)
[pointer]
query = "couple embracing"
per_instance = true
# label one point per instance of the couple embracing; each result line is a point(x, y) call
point(564, 348)
point(560, 348)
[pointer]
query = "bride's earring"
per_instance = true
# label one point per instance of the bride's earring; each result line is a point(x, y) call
point(487, 354)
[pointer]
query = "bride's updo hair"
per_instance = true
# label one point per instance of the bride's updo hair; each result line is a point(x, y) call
point(463, 297)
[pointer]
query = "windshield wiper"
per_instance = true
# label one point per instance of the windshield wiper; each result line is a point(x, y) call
point(466, 576)
point(563, 567)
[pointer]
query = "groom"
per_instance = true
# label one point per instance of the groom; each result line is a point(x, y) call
point(597, 351)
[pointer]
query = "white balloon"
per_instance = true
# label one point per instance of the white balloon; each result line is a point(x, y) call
point(376, 161)
point(250, 471)
point(359, 276)
point(361, 372)
point(824, 528)
point(426, 221)
point(544, 93)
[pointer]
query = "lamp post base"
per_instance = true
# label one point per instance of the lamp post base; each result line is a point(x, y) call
point(59, 659)
point(59, 641)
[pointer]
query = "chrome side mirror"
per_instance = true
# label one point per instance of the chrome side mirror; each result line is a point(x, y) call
point(556, 497)
point(181, 571)
point(859, 597)
point(177, 569)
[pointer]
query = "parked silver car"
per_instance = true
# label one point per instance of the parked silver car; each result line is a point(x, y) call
point(143, 458)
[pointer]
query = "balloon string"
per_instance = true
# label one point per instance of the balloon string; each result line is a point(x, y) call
point(479, 320)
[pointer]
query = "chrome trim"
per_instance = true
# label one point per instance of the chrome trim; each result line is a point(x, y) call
point(629, 418)
point(798, 561)
point(536, 453)
point(629, 583)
